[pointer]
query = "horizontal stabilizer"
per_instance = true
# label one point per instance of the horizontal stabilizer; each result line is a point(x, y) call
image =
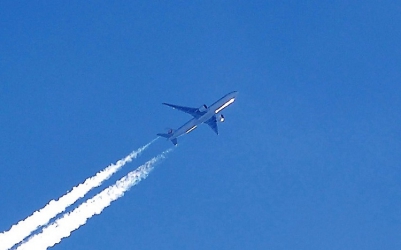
point(164, 135)
point(174, 141)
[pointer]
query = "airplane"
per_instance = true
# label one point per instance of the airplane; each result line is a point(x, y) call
point(209, 115)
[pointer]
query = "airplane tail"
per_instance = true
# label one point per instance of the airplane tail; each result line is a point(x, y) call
point(164, 135)
point(174, 141)
point(167, 136)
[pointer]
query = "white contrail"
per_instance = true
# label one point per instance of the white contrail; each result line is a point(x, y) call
point(41, 217)
point(71, 221)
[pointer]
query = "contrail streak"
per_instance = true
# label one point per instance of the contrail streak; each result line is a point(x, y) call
point(71, 221)
point(41, 217)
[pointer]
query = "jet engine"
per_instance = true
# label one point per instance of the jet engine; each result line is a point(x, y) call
point(202, 108)
point(220, 118)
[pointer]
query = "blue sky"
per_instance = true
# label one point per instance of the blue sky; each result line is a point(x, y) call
point(308, 158)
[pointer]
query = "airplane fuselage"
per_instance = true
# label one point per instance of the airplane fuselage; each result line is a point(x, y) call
point(212, 110)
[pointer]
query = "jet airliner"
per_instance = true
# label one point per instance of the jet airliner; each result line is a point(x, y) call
point(209, 115)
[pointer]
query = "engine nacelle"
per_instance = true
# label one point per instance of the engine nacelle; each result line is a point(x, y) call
point(220, 118)
point(202, 108)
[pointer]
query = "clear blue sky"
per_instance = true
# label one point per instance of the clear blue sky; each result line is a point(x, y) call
point(309, 156)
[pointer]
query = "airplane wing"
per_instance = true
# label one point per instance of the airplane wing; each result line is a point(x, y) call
point(212, 122)
point(192, 111)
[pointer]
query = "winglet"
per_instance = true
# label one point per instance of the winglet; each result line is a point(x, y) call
point(170, 105)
